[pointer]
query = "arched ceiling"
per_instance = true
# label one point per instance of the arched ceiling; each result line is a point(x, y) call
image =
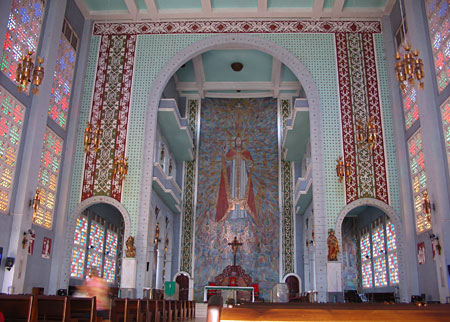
point(233, 9)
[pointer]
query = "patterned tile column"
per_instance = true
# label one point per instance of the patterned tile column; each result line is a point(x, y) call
point(287, 193)
point(190, 174)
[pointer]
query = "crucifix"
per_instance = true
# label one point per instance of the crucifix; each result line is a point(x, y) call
point(234, 246)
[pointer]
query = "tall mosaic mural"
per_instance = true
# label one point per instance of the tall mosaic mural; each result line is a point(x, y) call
point(237, 191)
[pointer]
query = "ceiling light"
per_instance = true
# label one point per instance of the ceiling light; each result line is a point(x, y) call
point(237, 67)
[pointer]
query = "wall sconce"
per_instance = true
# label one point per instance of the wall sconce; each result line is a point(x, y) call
point(27, 73)
point(348, 169)
point(340, 168)
point(166, 245)
point(156, 240)
point(89, 136)
point(36, 201)
point(120, 167)
point(435, 241)
point(427, 206)
point(366, 134)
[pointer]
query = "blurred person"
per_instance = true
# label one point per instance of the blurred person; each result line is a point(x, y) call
point(97, 286)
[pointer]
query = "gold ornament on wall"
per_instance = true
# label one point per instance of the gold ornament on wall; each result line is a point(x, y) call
point(27, 73)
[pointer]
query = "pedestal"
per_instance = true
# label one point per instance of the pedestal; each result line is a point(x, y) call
point(280, 293)
point(128, 278)
point(334, 281)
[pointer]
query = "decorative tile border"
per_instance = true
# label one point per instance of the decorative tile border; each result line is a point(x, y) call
point(188, 214)
point(110, 109)
point(358, 89)
point(225, 27)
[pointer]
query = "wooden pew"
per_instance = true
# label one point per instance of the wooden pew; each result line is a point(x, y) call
point(155, 310)
point(83, 309)
point(18, 307)
point(53, 308)
point(127, 310)
point(181, 310)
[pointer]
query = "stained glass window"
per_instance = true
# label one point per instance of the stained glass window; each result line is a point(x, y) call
point(410, 108)
point(96, 237)
point(78, 256)
point(11, 123)
point(445, 113)
point(62, 78)
point(100, 252)
point(438, 14)
point(48, 178)
point(78, 253)
point(81, 231)
point(109, 269)
point(379, 270)
point(366, 263)
point(22, 34)
point(418, 179)
point(382, 258)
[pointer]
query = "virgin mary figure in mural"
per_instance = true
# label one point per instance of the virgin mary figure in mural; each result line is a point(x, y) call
point(236, 198)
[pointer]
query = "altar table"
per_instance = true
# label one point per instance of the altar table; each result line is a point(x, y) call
point(229, 288)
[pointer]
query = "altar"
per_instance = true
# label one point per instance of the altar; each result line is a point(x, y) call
point(234, 289)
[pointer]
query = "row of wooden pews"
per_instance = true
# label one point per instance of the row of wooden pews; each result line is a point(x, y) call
point(151, 310)
point(34, 308)
point(336, 312)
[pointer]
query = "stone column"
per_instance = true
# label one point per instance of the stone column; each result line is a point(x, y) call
point(434, 152)
point(404, 179)
point(33, 141)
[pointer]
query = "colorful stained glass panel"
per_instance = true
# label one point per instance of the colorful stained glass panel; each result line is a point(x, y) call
point(78, 256)
point(378, 241)
point(109, 269)
point(393, 268)
point(445, 113)
point(390, 237)
point(11, 124)
point(62, 82)
point(410, 108)
point(366, 270)
point(379, 271)
point(48, 178)
point(418, 179)
point(111, 243)
point(81, 231)
point(94, 261)
point(438, 14)
point(96, 237)
point(365, 246)
point(22, 34)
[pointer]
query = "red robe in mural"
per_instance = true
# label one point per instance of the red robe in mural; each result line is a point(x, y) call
point(236, 196)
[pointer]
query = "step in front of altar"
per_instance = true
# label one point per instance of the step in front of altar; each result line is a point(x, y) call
point(337, 312)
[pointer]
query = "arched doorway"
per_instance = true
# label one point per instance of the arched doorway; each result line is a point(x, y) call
point(183, 282)
point(106, 204)
point(371, 252)
point(96, 245)
point(250, 42)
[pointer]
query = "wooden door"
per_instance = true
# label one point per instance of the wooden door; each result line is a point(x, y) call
point(183, 282)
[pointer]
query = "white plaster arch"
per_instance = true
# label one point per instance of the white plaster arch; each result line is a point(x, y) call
point(70, 230)
point(390, 212)
point(312, 94)
point(181, 273)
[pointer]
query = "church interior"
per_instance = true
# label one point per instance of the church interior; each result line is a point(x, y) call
point(264, 150)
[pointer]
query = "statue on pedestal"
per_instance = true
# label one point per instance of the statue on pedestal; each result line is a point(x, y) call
point(333, 246)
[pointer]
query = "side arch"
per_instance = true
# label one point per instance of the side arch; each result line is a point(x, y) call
point(390, 212)
point(70, 230)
